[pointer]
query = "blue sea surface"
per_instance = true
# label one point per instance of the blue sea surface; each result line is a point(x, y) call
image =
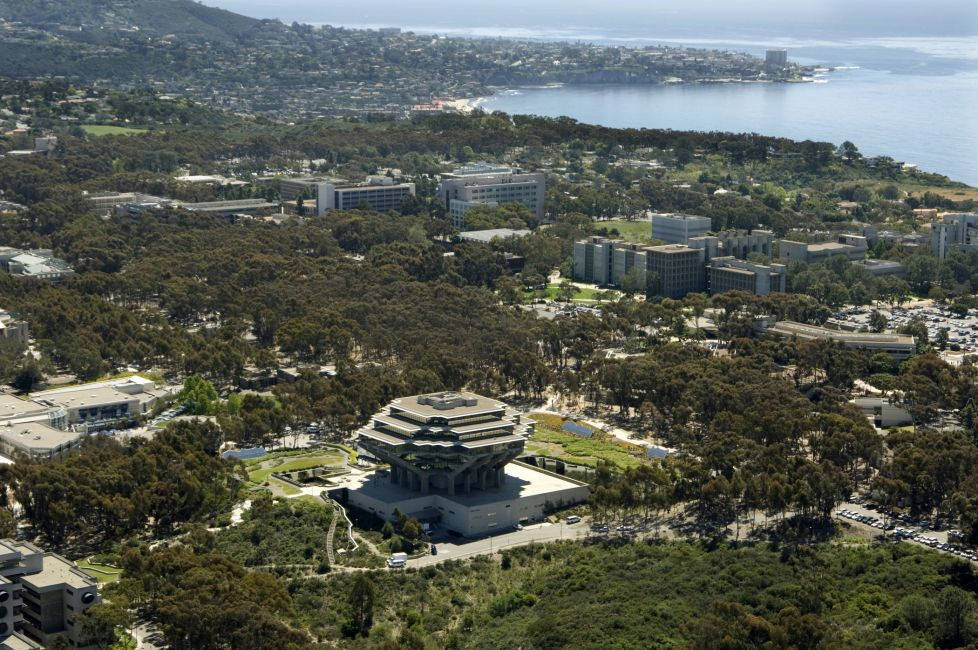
point(928, 120)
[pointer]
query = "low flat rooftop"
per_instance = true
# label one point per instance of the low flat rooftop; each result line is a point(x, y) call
point(85, 397)
point(35, 436)
point(58, 571)
point(814, 331)
point(487, 236)
point(829, 246)
point(12, 407)
point(521, 481)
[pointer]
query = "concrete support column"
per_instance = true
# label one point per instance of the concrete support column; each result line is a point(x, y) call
point(468, 481)
point(501, 476)
point(425, 483)
point(483, 475)
point(451, 486)
point(394, 474)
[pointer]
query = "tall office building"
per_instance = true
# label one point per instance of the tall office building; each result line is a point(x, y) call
point(957, 230)
point(777, 58)
point(679, 228)
point(677, 270)
point(483, 183)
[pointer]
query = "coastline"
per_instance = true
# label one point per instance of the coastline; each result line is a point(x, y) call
point(466, 105)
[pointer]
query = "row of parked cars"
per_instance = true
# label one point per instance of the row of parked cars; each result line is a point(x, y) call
point(908, 533)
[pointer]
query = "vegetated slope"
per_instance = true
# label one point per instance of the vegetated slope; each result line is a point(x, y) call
point(664, 595)
point(185, 18)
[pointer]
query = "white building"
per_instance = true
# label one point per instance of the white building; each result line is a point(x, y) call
point(120, 400)
point(11, 328)
point(679, 228)
point(40, 264)
point(487, 184)
point(380, 193)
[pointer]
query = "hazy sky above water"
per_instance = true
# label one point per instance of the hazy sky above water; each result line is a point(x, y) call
point(659, 18)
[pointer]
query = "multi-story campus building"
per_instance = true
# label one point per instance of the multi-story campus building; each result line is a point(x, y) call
point(732, 274)
point(957, 230)
point(380, 193)
point(53, 422)
point(486, 184)
point(853, 247)
point(450, 465)
point(41, 596)
point(671, 270)
point(12, 329)
point(740, 244)
point(40, 264)
point(679, 228)
point(115, 401)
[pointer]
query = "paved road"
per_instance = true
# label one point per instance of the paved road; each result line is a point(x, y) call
point(531, 534)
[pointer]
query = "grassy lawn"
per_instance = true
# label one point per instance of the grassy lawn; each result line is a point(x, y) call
point(108, 129)
point(549, 440)
point(953, 193)
point(100, 572)
point(351, 453)
point(295, 464)
point(588, 295)
point(634, 231)
point(284, 489)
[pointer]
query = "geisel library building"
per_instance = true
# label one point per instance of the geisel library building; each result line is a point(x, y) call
point(451, 464)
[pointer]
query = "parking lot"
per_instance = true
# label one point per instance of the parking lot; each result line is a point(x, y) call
point(962, 330)
point(920, 531)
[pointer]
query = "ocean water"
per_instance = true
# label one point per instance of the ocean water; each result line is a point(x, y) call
point(926, 120)
point(915, 99)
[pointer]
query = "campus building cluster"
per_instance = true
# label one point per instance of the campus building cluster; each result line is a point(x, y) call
point(38, 263)
point(41, 597)
point(693, 260)
point(50, 423)
point(450, 457)
point(485, 184)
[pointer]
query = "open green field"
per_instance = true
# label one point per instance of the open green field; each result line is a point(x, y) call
point(549, 440)
point(278, 465)
point(108, 129)
point(953, 193)
point(587, 295)
point(634, 231)
point(101, 572)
